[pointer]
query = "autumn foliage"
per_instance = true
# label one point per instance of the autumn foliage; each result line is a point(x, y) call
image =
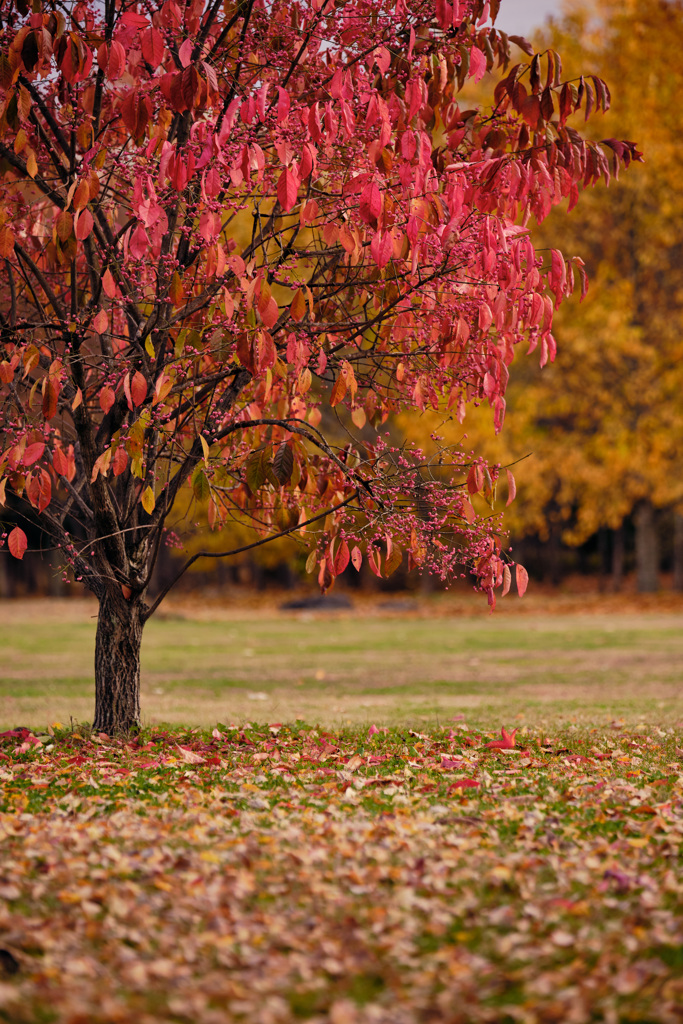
point(236, 239)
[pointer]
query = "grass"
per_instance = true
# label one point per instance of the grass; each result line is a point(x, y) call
point(332, 873)
point(202, 665)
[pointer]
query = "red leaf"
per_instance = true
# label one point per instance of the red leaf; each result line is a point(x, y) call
point(60, 462)
point(44, 491)
point(84, 225)
point(370, 203)
point(531, 110)
point(33, 453)
point(138, 388)
point(270, 313)
point(153, 47)
point(381, 248)
point(17, 542)
point(109, 284)
point(522, 580)
point(464, 784)
point(119, 462)
point(508, 741)
point(356, 558)
point(288, 188)
point(341, 558)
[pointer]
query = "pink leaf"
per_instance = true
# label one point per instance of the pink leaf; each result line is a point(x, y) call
point(185, 52)
point(189, 756)
point(139, 243)
point(373, 730)
point(465, 784)
point(477, 64)
point(522, 580)
point(512, 487)
point(282, 104)
point(449, 762)
point(356, 558)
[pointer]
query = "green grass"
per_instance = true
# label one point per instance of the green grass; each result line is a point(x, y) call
point(353, 667)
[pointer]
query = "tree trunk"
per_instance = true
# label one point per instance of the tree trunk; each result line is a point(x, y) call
point(678, 551)
point(647, 549)
point(117, 664)
point(617, 558)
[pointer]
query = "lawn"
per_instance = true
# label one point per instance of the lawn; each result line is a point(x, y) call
point(205, 664)
point(339, 833)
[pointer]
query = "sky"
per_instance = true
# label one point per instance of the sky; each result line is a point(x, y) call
point(521, 16)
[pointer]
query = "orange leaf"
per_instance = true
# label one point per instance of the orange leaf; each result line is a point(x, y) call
point(298, 306)
point(107, 397)
point(339, 390)
point(50, 396)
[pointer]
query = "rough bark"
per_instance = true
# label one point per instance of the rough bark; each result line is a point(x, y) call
point(647, 549)
point(117, 664)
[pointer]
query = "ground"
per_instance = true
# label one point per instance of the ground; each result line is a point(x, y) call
point(393, 662)
point(397, 860)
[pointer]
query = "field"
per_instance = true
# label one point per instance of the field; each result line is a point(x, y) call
point(206, 663)
point(339, 832)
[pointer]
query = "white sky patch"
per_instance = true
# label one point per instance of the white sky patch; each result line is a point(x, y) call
point(520, 17)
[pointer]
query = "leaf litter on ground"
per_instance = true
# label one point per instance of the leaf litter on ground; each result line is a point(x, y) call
point(278, 873)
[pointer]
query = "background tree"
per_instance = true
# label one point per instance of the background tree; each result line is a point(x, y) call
point(604, 423)
point(149, 346)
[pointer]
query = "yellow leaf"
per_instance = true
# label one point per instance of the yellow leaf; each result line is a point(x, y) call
point(148, 502)
point(205, 448)
point(32, 165)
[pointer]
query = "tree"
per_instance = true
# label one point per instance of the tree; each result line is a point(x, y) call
point(604, 424)
point(149, 343)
